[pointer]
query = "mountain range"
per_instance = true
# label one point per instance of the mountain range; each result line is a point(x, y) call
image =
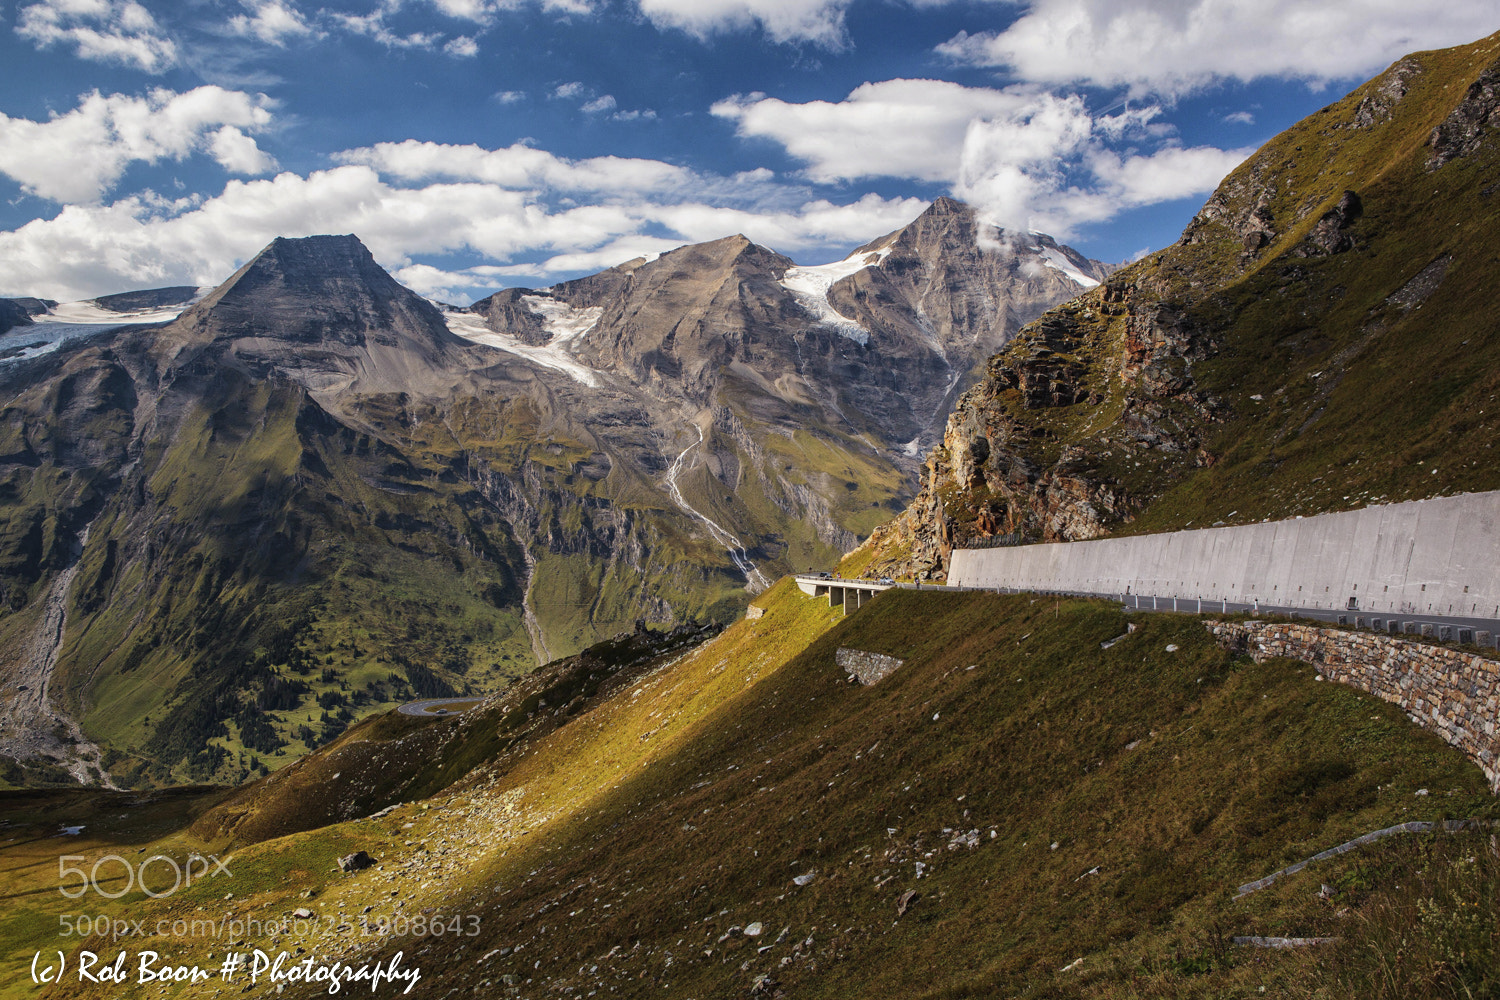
point(314, 493)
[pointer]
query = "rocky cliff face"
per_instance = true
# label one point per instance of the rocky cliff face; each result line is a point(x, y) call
point(1317, 339)
point(13, 314)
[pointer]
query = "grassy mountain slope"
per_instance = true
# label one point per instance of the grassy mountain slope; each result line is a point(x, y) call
point(1320, 338)
point(618, 850)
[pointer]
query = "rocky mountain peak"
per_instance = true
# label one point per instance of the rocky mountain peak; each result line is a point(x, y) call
point(322, 311)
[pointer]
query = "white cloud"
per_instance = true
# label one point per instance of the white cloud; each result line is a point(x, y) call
point(103, 30)
point(271, 21)
point(569, 90)
point(237, 153)
point(1172, 47)
point(510, 96)
point(895, 128)
point(373, 26)
point(422, 200)
point(468, 10)
point(1059, 175)
point(105, 134)
point(520, 168)
point(1028, 158)
point(818, 21)
point(462, 47)
point(1239, 118)
point(484, 11)
point(599, 104)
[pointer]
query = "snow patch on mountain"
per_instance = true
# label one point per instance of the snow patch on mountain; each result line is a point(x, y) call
point(553, 355)
point(90, 312)
point(563, 323)
point(1058, 261)
point(810, 285)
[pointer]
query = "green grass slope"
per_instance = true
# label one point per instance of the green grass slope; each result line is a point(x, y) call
point(1043, 801)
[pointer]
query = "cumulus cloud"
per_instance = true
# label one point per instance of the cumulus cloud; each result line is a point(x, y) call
point(105, 134)
point(1239, 118)
point(1091, 184)
point(599, 104)
point(462, 47)
point(238, 153)
point(1172, 47)
point(119, 31)
point(895, 128)
point(513, 207)
point(1029, 158)
point(271, 21)
point(568, 91)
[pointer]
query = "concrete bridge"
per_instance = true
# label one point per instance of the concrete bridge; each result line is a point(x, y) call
point(852, 594)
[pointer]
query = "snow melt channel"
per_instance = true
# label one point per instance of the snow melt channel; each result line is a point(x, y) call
point(561, 321)
point(755, 580)
point(810, 285)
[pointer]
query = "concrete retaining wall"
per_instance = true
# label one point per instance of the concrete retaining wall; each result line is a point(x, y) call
point(1453, 693)
point(1436, 557)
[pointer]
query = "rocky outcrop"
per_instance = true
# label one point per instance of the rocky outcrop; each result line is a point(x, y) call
point(1002, 474)
point(1470, 124)
point(867, 668)
point(1331, 234)
point(147, 298)
point(1379, 103)
point(13, 314)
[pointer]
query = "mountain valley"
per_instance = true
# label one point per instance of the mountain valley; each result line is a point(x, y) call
point(314, 494)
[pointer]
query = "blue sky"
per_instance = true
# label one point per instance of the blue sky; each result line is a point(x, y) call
point(475, 144)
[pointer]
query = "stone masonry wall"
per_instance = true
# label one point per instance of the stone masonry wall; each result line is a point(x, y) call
point(866, 667)
point(1453, 693)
